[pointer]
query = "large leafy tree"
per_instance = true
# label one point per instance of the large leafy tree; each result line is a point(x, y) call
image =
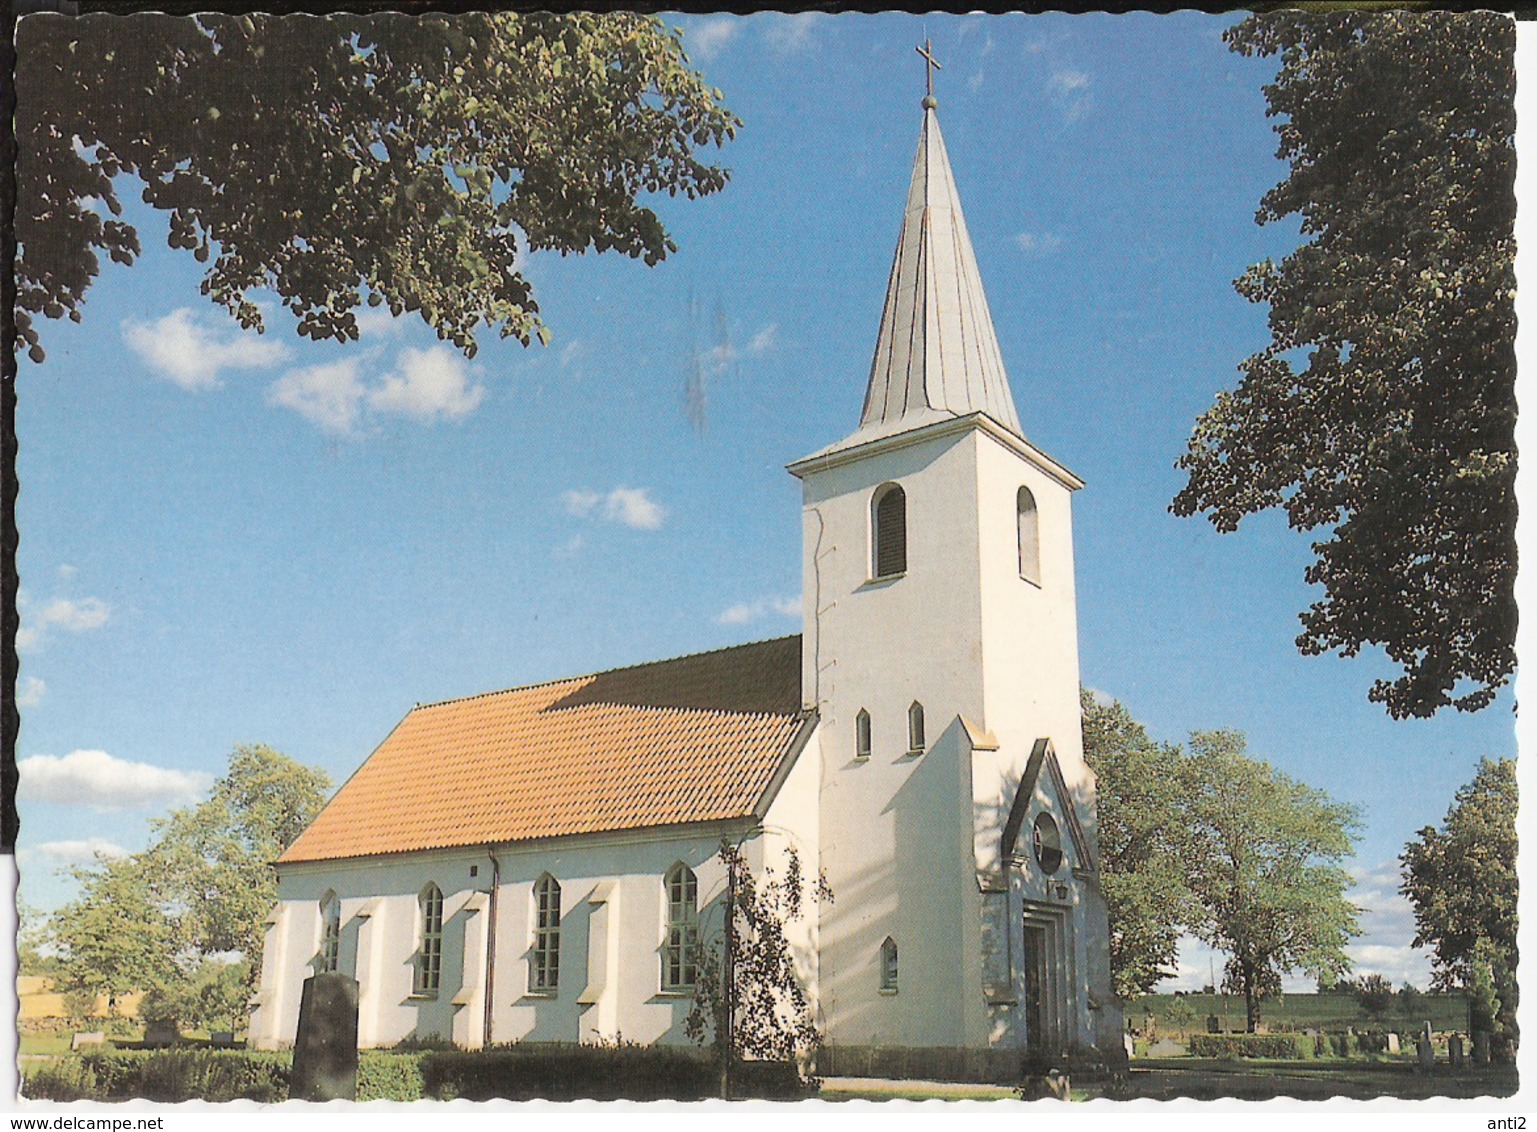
point(1461, 879)
point(1263, 857)
point(1383, 408)
point(407, 161)
point(1141, 827)
point(150, 921)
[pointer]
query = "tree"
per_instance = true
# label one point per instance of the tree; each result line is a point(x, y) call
point(1462, 882)
point(381, 159)
point(748, 998)
point(116, 937)
point(1398, 429)
point(35, 954)
point(1140, 829)
point(1411, 1000)
point(151, 922)
point(1375, 994)
point(1263, 865)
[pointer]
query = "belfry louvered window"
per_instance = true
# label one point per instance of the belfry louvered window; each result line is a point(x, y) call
point(429, 951)
point(544, 973)
point(679, 957)
point(890, 531)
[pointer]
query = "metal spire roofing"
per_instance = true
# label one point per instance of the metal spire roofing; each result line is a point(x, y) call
point(936, 356)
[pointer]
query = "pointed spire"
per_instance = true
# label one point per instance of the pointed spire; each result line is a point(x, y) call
point(936, 355)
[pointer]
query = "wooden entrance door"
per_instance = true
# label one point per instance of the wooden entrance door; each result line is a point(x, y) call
point(1035, 988)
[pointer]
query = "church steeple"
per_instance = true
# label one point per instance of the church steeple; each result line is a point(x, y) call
point(936, 355)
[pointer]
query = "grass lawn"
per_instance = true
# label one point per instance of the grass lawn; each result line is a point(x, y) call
point(1256, 1079)
point(874, 1089)
point(1298, 1012)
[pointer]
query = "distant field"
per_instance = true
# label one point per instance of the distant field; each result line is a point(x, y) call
point(1300, 1012)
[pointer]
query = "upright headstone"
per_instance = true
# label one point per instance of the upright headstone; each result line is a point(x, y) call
point(1481, 1046)
point(325, 1066)
point(1427, 1055)
point(1454, 1052)
point(161, 1033)
point(85, 1038)
point(1392, 1042)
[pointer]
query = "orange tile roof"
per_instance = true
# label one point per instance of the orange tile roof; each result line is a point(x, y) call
point(694, 739)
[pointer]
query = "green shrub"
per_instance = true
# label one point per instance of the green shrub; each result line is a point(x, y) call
point(386, 1076)
point(1289, 1047)
point(569, 1072)
point(59, 1079)
point(171, 1076)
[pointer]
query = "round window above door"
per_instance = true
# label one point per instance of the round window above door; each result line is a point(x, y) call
point(1048, 844)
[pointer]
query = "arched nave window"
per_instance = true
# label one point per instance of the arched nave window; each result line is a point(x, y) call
point(1029, 537)
point(429, 943)
point(889, 965)
point(889, 528)
point(330, 932)
point(915, 742)
point(862, 734)
point(679, 956)
point(545, 959)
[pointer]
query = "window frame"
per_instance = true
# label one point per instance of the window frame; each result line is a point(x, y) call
point(680, 949)
point(862, 735)
point(879, 534)
point(427, 977)
point(890, 966)
point(1045, 829)
point(544, 956)
point(330, 952)
point(917, 738)
point(1027, 517)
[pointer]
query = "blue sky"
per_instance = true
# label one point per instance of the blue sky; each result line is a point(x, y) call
point(229, 538)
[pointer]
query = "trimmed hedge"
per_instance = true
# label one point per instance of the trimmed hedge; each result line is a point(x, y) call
point(562, 1072)
point(1287, 1047)
point(384, 1076)
point(163, 1075)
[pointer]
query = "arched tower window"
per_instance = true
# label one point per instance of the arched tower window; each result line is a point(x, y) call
point(330, 932)
point(889, 965)
point(1029, 537)
point(680, 955)
point(429, 942)
point(915, 740)
point(889, 527)
point(545, 958)
point(862, 734)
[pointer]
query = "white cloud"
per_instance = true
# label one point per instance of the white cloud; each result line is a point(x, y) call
point(790, 34)
point(29, 691)
point(97, 780)
point(77, 852)
point(328, 394)
point(974, 83)
point(1038, 243)
point(633, 507)
point(68, 614)
point(572, 353)
point(378, 322)
point(628, 506)
point(748, 611)
point(765, 340)
point(571, 547)
point(707, 37)
point(433, 384)
point(67, 572)
point(187, 352)
point(580, 502)
point(1103, 699)
point(1069, 88)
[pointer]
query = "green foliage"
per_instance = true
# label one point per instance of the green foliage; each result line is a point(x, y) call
point(558, 1072)
point(1398, 431)
point(1290, 1047)
point(388, 1076)
point(1462, 882)
point(149, 922)
point(769, 1016)
point(1375, 995)
point(398, 160)
point(1411, 1000)
point(171, 1076)
point(1140, 830)
point(34, 953)
point(1263, 864)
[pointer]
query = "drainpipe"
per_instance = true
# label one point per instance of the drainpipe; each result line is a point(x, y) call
point(496, 885)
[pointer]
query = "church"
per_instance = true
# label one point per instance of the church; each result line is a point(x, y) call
point(541, 863)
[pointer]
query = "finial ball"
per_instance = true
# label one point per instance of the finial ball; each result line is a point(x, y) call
point(930, 102)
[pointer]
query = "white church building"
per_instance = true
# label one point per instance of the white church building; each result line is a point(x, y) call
point(536, 864)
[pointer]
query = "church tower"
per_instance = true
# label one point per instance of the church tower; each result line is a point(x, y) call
point(940, 653)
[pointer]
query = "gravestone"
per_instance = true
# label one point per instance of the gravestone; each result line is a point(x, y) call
point(161, 1033)
point(1454, 1051)
point(1213, 1024)
point(222, 1039)
point(1131, 1048)
point(325, 1066)
point(1427, 1055)
point(1481, 1047)
point(87, 1038)
point(1393, 1043)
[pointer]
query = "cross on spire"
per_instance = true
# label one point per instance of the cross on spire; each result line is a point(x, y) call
point(930, 65)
